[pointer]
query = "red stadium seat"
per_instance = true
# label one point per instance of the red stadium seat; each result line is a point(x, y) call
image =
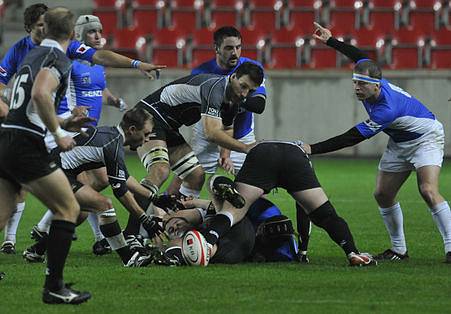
point(222, 18)
point(441, 59)
point(442, 37)
point(164, 47)
point(145, 3)
point(251, 41)
point(382, 21)
point(145, 20)
point(404, 58)
point(423, 21)
point(106, 3)
point(283, 48)
point(323, 58)
point(225, 3)
point(342, 22)
point(129, 41)
point(202, 47)
point(302, 20)
point(384, 3)
point(344, 3)
point(301, 3)
point(263, 20)
point(185, 18)
point(109, 20)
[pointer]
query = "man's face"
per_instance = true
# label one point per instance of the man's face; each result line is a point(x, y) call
point(94, 38)
point(37, 30)
point(239, 88)
point(229, 52)
point(365, 90)
point(135, 138)
point(176, 227)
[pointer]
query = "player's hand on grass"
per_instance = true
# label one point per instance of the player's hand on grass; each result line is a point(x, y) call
point(150, 70)
point(306, 147)
point(65, 143)
point(227, 164)
point(321, 33)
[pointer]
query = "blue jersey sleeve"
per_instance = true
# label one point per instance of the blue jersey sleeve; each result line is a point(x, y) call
point(77, 50)
point(8, 66)
point(379, 120)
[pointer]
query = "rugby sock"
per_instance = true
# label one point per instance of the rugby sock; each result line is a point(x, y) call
point(217, 227)
point(46, 220)
point(115, 237)
point(189, 192)
point(59, 241)
point(393, 221)
point(304, 226)
point(442, 218)
point(133, 225)
point(336, 227)
point(93, 220)
point(41, 246)
point(13, 223)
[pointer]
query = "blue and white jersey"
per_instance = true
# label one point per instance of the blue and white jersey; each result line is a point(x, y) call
point(261, 210)
point(87, 82)
point(15, 55)
point(398, 114)
point(244, 121)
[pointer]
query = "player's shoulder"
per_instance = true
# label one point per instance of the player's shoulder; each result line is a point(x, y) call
point(245, 59)
point(206, 67)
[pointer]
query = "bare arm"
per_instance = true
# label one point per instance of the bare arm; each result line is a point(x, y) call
point(136, 188)
point(112, 59)
point(4, 108)
point(215, 133)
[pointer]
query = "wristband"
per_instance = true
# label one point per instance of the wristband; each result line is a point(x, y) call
point(122, 105)
point(59, 133)
point(135, 63)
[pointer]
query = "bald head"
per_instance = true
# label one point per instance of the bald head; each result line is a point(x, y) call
point(59, 23)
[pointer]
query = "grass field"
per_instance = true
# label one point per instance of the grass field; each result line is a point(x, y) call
point(326, 285)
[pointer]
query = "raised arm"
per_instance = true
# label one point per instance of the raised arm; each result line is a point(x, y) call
point(325, 35)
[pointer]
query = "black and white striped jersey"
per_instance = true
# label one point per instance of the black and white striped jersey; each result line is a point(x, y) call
point(183, 101)
point(23, 114)
point(104, 146)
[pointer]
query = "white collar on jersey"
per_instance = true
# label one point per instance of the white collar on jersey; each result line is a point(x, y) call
point(121, 132)
point(51, 43)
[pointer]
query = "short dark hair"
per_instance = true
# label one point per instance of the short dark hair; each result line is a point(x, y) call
point(32, 14)
point(135, 116)
point(370, 67)
point(254, 71)
point(223, 32)
point(60, 23)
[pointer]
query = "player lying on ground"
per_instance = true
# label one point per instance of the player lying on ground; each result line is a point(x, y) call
point(104, 147)
point(416, 144)
point(275, 164)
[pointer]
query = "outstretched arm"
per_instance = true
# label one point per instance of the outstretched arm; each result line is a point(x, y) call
point(349, 138)
point(325, 35)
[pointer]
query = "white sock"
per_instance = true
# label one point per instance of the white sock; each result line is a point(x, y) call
point(189, 192)
point(442, 218)
point(13, 223)
point(46, 221)
point(393, 221)
point(94, 222)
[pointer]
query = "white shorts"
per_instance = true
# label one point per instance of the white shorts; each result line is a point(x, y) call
point(407, 156)
point(208, 152)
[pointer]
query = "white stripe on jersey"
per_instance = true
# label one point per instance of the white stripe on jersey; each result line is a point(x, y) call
point(177, 94)
point(80, 155)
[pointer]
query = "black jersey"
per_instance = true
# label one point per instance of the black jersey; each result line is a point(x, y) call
point(103, 147)
point(183, 101)
point(23, 114)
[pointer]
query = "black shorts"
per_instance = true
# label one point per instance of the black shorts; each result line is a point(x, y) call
point(274, 164)
point(23, 157)
point(236, 245)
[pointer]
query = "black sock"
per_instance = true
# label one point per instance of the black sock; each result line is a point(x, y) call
point(59, 241)
point(326, 217)
point(132, 227)
point(216, 228)
point(303, 225)
point(112, 230)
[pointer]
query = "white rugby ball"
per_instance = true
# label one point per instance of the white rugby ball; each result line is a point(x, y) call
point(195, 249)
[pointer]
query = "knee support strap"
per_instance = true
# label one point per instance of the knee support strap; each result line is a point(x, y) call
point(186, 165)
point(155, 155)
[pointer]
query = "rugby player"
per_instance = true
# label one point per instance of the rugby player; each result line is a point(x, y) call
point(274, 164)
point(40, 83)
point(34, 25)
point(212, 99)
point(416, 143)
point(89, 90)
point(104, 147)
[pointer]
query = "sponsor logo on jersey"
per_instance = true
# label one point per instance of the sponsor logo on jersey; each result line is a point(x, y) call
point(82, 49)
point(3, 72)
point(91, 93)
point(121, 174)
point(86, 79)
point(213, 111)
point(116, 186)
point(373, 126)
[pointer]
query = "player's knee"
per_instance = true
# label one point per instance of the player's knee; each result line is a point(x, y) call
point(100, 183)
point(429, 192)
point(160, 170)
point(383, 197)
point(196, 178)
point(323, 214)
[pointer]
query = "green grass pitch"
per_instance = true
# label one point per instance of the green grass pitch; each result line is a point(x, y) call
point(420, 285)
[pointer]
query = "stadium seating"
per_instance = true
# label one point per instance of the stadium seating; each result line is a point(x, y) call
point(130, 42)
point(393, 33)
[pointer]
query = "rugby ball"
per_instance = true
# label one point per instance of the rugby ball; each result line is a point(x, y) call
point(195, 249)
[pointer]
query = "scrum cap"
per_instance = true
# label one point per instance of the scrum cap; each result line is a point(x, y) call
point(84, 24)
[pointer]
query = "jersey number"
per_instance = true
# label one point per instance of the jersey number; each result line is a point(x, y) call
point(18, 97)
